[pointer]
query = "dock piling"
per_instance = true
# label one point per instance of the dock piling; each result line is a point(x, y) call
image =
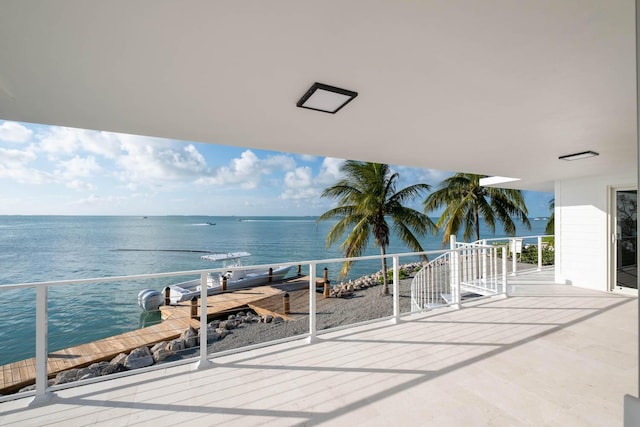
point(194, 307)
point(286, 304)
point(167, 296)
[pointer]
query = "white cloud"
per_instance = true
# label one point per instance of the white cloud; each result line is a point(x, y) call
point(330, 171)
point(78, 167)
point(308, 158)
point(14, 157)
point(80, 185)
point(248, 170)
point(277, 163)
point(413, 175)
point(14, 132)
point(108, 201)
point(78, 153)
point(154, 162)
point(13, 166)
point(299, 178)
point(63, 141)
point(309, 193)
point(244, 171)
point(301, 185)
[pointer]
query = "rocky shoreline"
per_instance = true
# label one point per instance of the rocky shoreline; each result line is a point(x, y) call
point(354, 301)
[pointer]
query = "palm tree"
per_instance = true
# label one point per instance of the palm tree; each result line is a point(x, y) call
point(367, 196)
point(550, 228)
point(466, 202)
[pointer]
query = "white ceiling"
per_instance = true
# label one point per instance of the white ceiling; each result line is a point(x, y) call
point(498, 87)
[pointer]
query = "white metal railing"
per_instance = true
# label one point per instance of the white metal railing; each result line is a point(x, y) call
point(478, 268)
point(517, 245)
point(466, 269)
point(43, 392)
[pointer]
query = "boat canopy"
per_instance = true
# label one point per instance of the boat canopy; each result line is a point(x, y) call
point(227, 256)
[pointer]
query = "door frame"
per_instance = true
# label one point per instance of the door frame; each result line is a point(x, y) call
point(612, 246)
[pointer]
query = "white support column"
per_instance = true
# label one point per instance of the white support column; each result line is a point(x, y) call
point(396, 289)
point(539, 253)
point(42, 337)
point(632, 403)
point(312, 303)
point(455, 273)
point(204, 362)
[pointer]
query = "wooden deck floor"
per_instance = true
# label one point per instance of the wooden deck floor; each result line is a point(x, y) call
point(266, 299)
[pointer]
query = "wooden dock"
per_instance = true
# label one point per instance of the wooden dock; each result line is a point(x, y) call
point(263, 299)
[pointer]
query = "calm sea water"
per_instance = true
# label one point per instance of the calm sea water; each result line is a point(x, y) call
point(44, 248)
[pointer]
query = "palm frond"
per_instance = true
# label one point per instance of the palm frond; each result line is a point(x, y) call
point(365, 197)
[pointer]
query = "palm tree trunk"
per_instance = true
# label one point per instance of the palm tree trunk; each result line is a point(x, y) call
point(385, 286)
point(477, 220)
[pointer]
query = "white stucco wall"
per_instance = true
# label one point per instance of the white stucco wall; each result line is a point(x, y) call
point(583, 231)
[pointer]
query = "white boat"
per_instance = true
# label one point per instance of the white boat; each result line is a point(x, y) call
point(239, 277)
point(236, 278)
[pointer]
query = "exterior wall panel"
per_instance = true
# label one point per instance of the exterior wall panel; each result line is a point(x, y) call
point(583, 232)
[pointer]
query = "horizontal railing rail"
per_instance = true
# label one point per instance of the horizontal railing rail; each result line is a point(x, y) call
point(43, 391)
point(462, 268)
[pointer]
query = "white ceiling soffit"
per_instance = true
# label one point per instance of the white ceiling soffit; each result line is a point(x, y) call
point(494, 87)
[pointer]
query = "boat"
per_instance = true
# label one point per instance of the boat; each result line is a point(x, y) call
point(240, 278)
point(235, 278)
point(211, 223)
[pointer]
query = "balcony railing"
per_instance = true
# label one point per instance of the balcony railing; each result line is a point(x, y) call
point(471, 270)
point(464, 268)
point(468, 270)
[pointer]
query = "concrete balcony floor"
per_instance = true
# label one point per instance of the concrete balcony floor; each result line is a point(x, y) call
point(550, 355)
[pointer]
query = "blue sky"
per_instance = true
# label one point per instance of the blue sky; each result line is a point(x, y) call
point(50, 170)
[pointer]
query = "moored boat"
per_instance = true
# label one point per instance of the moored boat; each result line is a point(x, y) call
point(235, 278)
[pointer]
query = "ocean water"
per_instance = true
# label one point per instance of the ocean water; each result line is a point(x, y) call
point(46, 248)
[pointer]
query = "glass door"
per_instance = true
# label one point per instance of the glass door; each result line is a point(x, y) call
point(626, 239)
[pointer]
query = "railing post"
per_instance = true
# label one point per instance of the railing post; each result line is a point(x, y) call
point(42, 379)
point(539, 253)
point(312, 303)
point(455, 273)
point(204, 362)
point(396, 289)
point(484, 261)
point(512, 245)
point(505, 252)
point(494, 273)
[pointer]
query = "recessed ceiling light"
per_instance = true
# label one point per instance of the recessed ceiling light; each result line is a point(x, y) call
point(329, 99)
point(579, 156)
